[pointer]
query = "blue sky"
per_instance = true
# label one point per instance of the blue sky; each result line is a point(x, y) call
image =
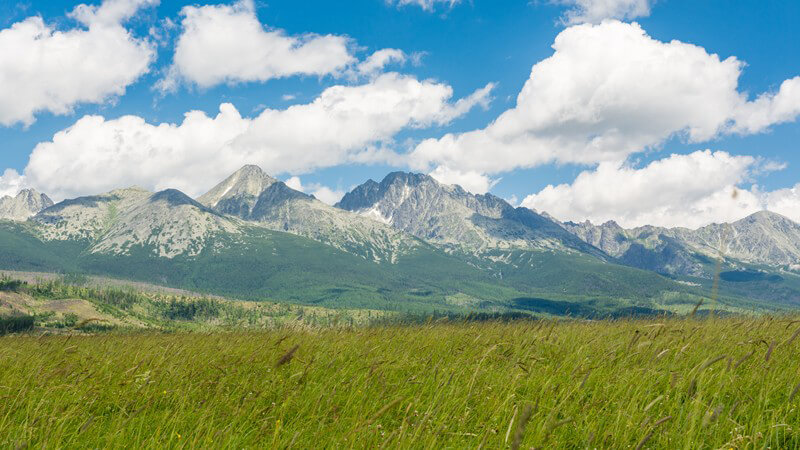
point(461, 46)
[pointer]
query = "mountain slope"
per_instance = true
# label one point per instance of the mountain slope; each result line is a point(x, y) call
point(166, 223)
point(25, 204)
point(254, 196)
point(763, 238)
point(449, 216)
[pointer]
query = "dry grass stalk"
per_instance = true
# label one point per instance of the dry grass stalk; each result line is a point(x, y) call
point(769, 351)
point(743, 359)
point(652, 431)
point(523, 421)
point(712, 362)
point(794, 392)
point(794, 336)
point(287, 356)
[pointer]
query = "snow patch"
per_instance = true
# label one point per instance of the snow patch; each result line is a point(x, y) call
point(374, 214)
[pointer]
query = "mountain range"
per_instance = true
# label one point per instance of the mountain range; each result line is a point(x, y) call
point(405, 243)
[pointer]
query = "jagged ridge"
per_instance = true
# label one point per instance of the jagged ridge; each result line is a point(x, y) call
point(451, 217)
point(762, 238)
point(254, 196)
point(25, 204)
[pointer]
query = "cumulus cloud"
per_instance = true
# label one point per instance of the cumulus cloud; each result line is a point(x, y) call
point(609, 91)
point(769, 109)
point(785, 202)
point(427, 5)
point(227, 44)
point(344, 124)
point(322, 193)
point(681, 190)
point(472, 181)
point(11, 182)
point(376, 62)
point(44, 69)
point(595, 11)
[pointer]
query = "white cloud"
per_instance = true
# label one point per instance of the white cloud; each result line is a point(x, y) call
point(609, 91)
point(322, 193)
point(785, 202)
point(228, 44)
point(472, 181)
point(769, 109)
point(344, 124)
point(595, 11)
point(427, 5)
point(681, 190)
point(11, 182)
point(44, 69)
point(380, 59)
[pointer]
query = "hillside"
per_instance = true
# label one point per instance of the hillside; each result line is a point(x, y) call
point(166, 223)
point(75, 305)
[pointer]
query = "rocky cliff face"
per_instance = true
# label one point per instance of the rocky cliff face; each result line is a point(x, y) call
point(451, 217)
point(25, 204)
point(254, 196)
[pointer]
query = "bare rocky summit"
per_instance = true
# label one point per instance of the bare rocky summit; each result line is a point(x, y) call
point(252, 195)
point(763, 238)
point(449, 216)
point(25, 204)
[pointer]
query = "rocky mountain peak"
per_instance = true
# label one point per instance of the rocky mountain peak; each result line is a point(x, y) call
point(249, 180)
point(252, 195)
point(25, 204)
point(238, 194)
point(765, 217)
point(174, 197)
point(449, 215)
point(761, 238)
point(764, 238)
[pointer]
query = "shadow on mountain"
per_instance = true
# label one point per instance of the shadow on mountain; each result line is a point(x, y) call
point(742, 276)
point(564, 308)
point(174, 197)
point(530, 224)
point(555, 307)
point(668, 256)
point(90, 201)
point(51, 214)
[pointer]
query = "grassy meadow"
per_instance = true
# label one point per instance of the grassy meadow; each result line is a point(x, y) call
point(658, 383)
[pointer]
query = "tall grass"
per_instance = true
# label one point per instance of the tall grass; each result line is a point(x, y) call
point(670, 383)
